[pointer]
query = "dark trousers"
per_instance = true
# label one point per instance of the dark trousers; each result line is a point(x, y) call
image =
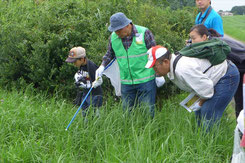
point(239, 96)
point(143, 94)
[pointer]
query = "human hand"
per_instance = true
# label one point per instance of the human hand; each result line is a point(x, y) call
point(80, 84)
point(188, 42)
point(160, 81)
point(99, 72)
point(97, 82)
point(196, 107)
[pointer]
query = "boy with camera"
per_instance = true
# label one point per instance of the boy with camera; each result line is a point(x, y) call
point(84, 78)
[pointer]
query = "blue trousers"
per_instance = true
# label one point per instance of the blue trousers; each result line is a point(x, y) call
point(97, 101)
point(142, 95)
point(212, 109)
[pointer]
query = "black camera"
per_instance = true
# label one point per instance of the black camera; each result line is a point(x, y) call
point(189, 41)
point(80, 79)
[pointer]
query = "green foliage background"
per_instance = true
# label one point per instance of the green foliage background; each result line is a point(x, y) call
point(36, 36)
point(180, 4)
point(238, 10)
point(233, 28)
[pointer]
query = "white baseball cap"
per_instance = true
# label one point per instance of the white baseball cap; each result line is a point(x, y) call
point(154, 53)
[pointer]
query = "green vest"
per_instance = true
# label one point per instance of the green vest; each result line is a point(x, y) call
point(132, 62)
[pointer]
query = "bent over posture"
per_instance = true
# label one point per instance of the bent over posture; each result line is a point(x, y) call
point(215, 87)
point(83, 80)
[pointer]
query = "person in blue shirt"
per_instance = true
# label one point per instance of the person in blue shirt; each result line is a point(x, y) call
point(209, 17)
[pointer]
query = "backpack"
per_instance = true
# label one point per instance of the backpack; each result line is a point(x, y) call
point(214, 50)
point(237, 54)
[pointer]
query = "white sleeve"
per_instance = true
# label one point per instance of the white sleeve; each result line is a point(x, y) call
point(193, 77)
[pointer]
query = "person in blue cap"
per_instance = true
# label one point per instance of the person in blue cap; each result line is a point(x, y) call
point(209, 17)
point(129, 43)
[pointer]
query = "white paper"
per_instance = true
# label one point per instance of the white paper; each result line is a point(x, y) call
point(190, 101)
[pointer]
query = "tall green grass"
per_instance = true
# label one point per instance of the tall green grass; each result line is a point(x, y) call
point(33, 130)
point(235, 26)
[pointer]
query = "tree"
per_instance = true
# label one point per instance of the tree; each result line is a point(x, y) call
point(238, 10)
point(179, 4)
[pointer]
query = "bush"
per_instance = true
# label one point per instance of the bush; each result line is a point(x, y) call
point(36, 36)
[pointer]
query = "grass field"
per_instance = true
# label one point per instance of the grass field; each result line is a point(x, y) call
point(234, 26)
point(33, 130)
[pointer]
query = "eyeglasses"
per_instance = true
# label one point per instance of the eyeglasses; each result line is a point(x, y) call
point(156, 64)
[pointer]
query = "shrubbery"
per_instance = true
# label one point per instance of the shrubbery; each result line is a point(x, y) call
point(238, 10)
point(36, 36)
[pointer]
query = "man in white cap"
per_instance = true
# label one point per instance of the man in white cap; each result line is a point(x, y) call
point(214, 84)
point(84, 78)
point(209, 17)
point(129, 43)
